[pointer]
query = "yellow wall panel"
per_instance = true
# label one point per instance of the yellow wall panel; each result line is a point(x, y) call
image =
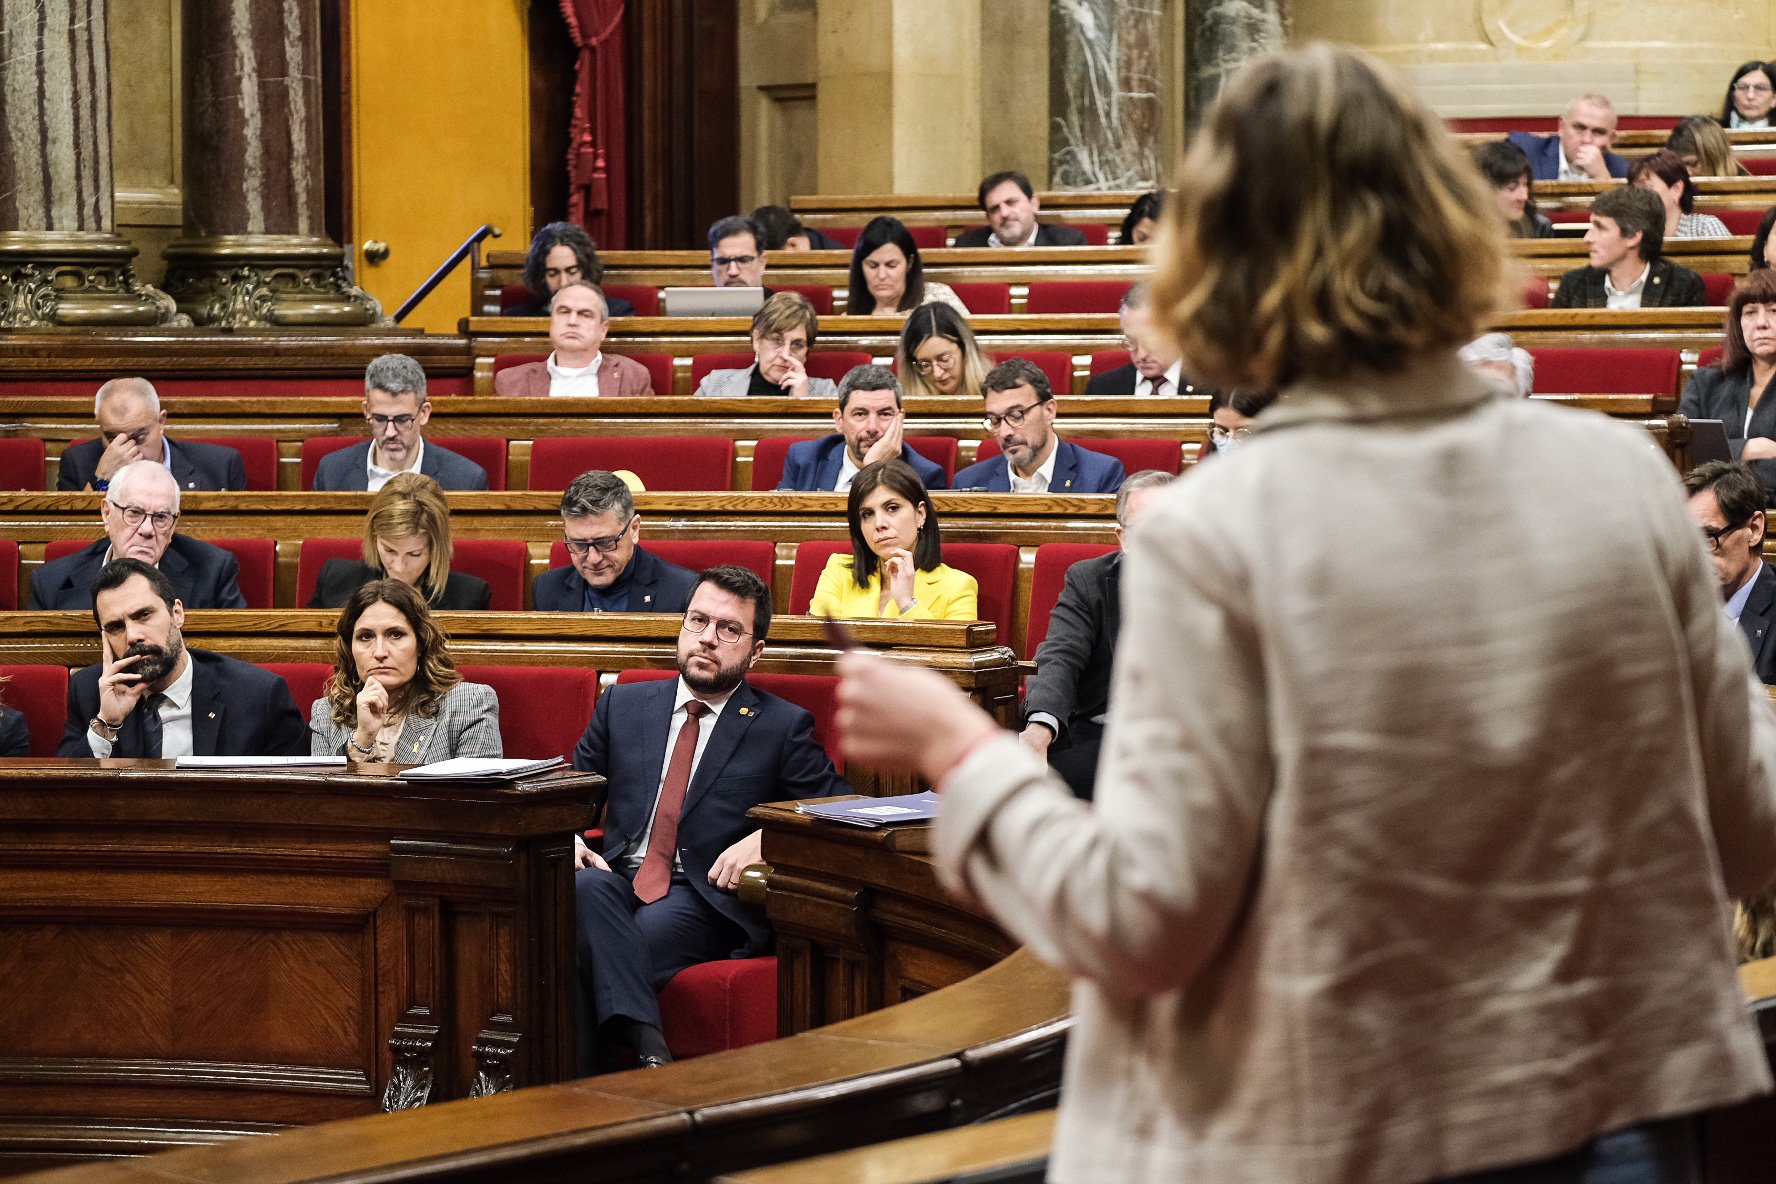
point(440, 141)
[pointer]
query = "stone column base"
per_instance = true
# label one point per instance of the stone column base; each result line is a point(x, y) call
point(256, 281)
point(67, 279)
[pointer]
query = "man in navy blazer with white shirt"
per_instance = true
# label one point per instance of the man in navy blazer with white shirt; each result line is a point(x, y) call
point(660, 895)
point(132, 427)
point(1021, 409)
point(1581, 144)
point(397, 409)
point(870, 423)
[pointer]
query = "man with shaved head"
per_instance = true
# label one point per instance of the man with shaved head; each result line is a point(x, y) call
point(1580, 149)
point(132, 427)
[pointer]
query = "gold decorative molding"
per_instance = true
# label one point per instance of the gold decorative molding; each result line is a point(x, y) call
point(51, 279)
point(243, 281)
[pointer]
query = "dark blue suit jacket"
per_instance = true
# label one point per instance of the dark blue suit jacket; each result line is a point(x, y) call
point(236, 710)
point(655, 586)
point(195, 466)
point(15, 735)
point(1756, 619)
point(1544, 156)
point(203, 575)
point(761, 750)
point(813, 466)
point(1077, 470)
point(344, 469)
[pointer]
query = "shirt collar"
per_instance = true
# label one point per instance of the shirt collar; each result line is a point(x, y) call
point(378, 473)
point(1736, 602)
point(994, 240)
point(1174, 374)
point(715, 703)
point(1638, 285)
point(559, 371)
point(166, 451)
point(848, 468)
point(1045, 470)
point(179, 693)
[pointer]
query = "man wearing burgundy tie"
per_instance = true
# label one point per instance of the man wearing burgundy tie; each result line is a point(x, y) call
point(684, 760)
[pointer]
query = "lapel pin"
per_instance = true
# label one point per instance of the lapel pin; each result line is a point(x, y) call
point(212, 715)
point(1067, 484)
point(745, 711)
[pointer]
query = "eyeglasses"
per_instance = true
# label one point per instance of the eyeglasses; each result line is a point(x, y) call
point(381, 422)
point(1014, 417)
point(723, 262)
point(1219, 433)
point(133, 516)
point(699, 623)
point(603, 546)
point(1751, 88)
point(944, 362)
point(1714, 534)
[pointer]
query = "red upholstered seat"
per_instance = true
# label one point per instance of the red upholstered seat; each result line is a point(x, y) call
point(507, 361)
point(9, 575)
point(307, 682)
point(259, 456)
point(1605, 371)
point(1067, 296)
point(543, 709)
point(316, 447)
point(715, 1006)
point(40, 693)
point(1057, 365)
point(702, 364)
point(487, 451)
point(755, 555)
point(56, 549)
point(1052, 562)
point(1745, 222)
point(984, 298)
point(1135, 454)
point(1097, 234)
point(645, 297)
point(1106, 360)
point(662, 462)
point(1571, 216)
point(515, 296)
point(928, 237)
point(314, 556)
point(1719, 286)
point(257, 559)
point(810, 560)
point(993, 566)
point(503, 563)
point(1535, 292)
point(939, 450)
point(1710, 356)
point(844, 234)
point(21, 463)
point(819, 295)
point(768, 458)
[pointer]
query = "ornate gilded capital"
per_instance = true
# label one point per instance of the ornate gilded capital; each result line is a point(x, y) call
point(248, 281)
point(52, 279)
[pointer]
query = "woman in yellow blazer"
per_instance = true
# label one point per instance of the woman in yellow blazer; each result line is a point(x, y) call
point(895, 568)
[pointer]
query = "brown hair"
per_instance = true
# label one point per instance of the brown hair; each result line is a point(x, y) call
point(1758, 287)
point(783, 312)
point(898, 476)
point(1378, 241)
point(1702, 137)
point(1669, 167)
point(434, 676)
point(411, 504)
point(1634, 211)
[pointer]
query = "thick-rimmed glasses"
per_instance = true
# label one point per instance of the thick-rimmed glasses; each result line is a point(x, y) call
point(1714, 534)
point(699, 623)
point(1015, 416)
point(603, 546)
point(133, 517)
point(382, 423)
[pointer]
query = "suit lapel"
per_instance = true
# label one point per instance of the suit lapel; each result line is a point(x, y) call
point(177, 569)
point(1113, 598)
point(416, 735)
point(1754, 620)
point(642, 581)
point(1763, 420)
point(1066, 468)
point(730, 726)
point(182, 470)
point(207, 711)
point(827, 475)
point(1658, 285)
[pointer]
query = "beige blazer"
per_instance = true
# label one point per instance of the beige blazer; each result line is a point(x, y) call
point(618, 378)
point(1432, 764)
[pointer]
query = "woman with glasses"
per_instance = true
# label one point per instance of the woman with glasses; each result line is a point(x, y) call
point(1750, 96)
point(395, 697)
point(896, 567)
point(407, 538)
point(888, 276)
point(1230, 419)
point(1735, 389)
point(1432, 764)
point(938, 355)
point(783, 332)
point(1666, 176)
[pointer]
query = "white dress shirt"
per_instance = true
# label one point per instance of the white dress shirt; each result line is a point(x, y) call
point(994, 241)
point(705, 728)
point(175, 720)
point(1628, 297)
point(1567, 172)
point(1173, 377)
point(848, 470)
point(581, 382)
point(378, 476)
point(1039, 481)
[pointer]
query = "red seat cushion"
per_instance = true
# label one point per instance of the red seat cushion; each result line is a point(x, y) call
point(1097, 234)
point(769, 457)
point(487, 451)
point(307, 682)
point(928, 237)
point(9, 575)
point(715, 1006)
point(314, 556)
point(21, 463)
point(810, 560)
point(40, 693)
point(819, 295)
point(1135, 454)
point(645, 297)
point(983, 298)
point(994, 568)
point(1069, 296)
point(939, 450)
point(1049, 574)
point(543, 709)
point(1535, 292)
point(843, 234)
point(316, 447)
point(56, 549)
point(1718, 285)
point(754, 555)
point(259, 456)
point(1605, 371)
point(507, 361)
point(1056, 365)
point(834, 364)
point(1106, 360)
point(702, 364)
point(258, 568)
point(1745, 222)
point(515, 296)
point(662, 462)
point(503, 563)
point(1710, 356)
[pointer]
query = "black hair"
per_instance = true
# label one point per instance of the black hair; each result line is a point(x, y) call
point(898, 476)
point(744, 583)
point(881, 231)
point(120, 571)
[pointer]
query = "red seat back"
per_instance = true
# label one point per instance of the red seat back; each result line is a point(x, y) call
point(1718, 285)
point(1535, 292)
point(316, 447)
point(56, 549)
point(939, 450)
point(1605, 371)
point(21, 463)
point(1068, 296)
point(258, 568)
point(928, 237)
point(314, 556)
point(834, 364)
point(1135, 453)
point(507, 361)
point(1057, 365)
point(543, 709)
point(1745, 222)
point(702, 364)
point(1710, 356)
point(662, 462)
point(259, 456)
point(983, 298)
point(40, 693)
point(9, 575)
point(1106, 360)
point(810, 560)
point(994, 568)
point(644, 297)
point(844, 234)
point(1097, 234)
point(307, 682)
point(817, 694)
point(757, 556)
point(487, 451)
point(503, 563)
point(515, 296)
point(768, 459)
point(1050, 573)
point(659, 368)
point(819, 295)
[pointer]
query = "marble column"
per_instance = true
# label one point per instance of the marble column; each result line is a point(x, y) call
point(1104, 94)
point(61, 259)
point(254, 251)
point(1222, 35)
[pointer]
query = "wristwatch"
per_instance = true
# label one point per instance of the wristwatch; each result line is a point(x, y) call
point(106, 732)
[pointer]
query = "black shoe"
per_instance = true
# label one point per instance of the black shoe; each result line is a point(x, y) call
point(654, 1062)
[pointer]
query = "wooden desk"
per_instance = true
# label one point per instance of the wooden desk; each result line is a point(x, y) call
point(190, 956)
point(208, 353)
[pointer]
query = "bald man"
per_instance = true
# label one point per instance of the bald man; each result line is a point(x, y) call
point(132, 427)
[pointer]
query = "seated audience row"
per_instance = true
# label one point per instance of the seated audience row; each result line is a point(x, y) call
point(406, 539)
point(1627, 270)
point(577, 365)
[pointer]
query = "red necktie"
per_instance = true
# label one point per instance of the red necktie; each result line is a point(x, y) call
point(655, 874)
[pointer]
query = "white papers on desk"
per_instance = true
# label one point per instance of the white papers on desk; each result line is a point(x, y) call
point(479, 768)
point(259, 762)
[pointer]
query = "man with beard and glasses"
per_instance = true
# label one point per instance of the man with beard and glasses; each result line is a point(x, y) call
point(684, 760)
point(870, 426)
point(149, 696)
point(1020, 414)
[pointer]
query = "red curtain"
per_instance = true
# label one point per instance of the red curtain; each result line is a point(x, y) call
point(597, 169)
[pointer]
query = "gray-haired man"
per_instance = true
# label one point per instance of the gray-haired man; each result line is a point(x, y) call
point(608, 571)
point(396, 409)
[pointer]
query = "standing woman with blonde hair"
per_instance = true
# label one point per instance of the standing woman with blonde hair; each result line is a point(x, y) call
point(1400, 868)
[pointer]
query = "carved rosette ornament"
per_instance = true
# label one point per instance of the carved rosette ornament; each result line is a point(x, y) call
point(56, 279)
point(246, 281)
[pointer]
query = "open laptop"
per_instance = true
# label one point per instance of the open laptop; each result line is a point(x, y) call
point(711, 302)
point(1708, 441)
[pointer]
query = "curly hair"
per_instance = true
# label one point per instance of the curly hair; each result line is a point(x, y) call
point(434, 675)
point(561, 234)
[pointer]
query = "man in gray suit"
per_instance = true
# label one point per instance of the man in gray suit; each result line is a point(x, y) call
point(1065, 703)
point(132, 427)
point(397, 409)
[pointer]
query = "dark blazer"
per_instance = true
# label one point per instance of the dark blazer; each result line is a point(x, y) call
point(1544, 156)
point(1077, 470)
point(195, 466)
point(203, 575)
point(236, 710)
point(1048, 234)
point(1715, 394)
point(813, 466)
point(762, 749)
point(1073, 662)
point(15, 737)
point(1757, 617)
point(1667, 286)
point(655, 586)
point(344, 470)
point(1120, 383)
point(339, 578)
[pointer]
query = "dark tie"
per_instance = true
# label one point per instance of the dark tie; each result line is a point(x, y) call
point(1160, 384)
point(150, 709)
point(655, 874)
